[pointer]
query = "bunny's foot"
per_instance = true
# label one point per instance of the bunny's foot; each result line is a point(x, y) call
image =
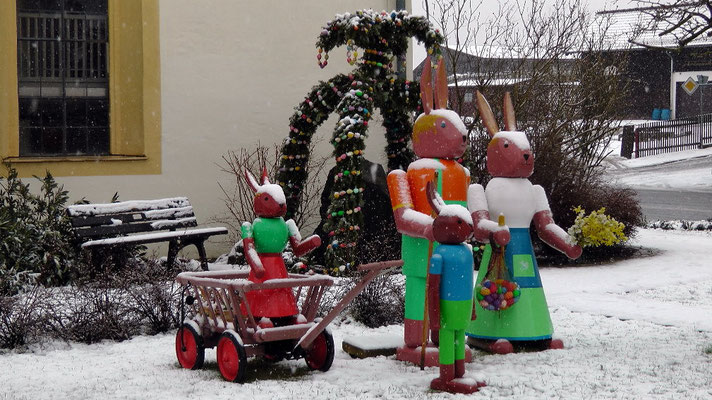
point(447, 382)
point(501, 346)
point(556, 344)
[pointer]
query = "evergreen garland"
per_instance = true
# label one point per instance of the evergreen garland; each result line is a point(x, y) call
point(371, 85)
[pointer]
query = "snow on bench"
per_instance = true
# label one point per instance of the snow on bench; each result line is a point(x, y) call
point(135, 222)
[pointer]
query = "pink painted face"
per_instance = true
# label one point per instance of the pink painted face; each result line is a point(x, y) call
point(440, 134)
point(509, 155)
point(266, 206)
point(451, 229)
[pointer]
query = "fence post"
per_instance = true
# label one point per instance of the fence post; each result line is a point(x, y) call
point(627, 141)
point(636, 141)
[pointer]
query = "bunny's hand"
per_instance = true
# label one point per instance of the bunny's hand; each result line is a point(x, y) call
point(299, 246)
point(486, 231)
point(305, 246)
point(554, 235)
point(252, 257)
point(574, 252)
point(408, 221)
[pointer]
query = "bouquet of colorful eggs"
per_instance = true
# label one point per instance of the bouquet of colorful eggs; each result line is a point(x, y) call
point(498, 294)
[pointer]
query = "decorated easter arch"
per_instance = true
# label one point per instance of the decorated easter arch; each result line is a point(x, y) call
point(372, 85)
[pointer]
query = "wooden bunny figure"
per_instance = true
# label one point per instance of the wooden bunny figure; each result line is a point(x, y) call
point(264, 241)
point(439, 138)
point(510, 193)
point(450, 288)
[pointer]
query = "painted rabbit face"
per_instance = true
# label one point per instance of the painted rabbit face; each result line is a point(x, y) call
point(438, 132)
point(509, 154)
point(269, 201)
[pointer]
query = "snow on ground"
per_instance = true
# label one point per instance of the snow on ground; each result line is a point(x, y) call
point(628, 172)
point(633, 329)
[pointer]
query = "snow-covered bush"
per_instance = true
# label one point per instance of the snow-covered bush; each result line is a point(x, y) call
point(21, 321)
point(380, 303)
point(35, 236)
point(702, 225)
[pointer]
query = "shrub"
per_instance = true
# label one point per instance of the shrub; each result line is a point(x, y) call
point(117, 306)
point(382, 301)
point(154, 296)
point(35, 236)
point(21, 322)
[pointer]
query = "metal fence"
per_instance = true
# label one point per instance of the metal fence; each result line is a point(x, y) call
point(676, 135)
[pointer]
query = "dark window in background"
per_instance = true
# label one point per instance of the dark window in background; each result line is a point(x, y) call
point(63, 79)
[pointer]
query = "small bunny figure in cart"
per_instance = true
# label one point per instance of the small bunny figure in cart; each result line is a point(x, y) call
point(264, 241)
point(450, 286)
point(511, 194)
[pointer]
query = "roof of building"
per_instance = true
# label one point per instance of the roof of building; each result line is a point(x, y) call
point(625, 30)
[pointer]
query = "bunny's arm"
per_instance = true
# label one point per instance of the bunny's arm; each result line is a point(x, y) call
point(548, 231)
point(299, 246)
point(485, 228)
point(408, 221)
point(251, 255)
point(436, 267)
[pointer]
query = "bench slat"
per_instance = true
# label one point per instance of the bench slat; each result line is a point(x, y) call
point(157, 237)
point(133, 217)
point(123, 229)
point(106, 220)
point(87, 210)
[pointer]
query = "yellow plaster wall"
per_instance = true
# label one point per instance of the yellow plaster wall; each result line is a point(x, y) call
point(9, 125)
point(134, 91)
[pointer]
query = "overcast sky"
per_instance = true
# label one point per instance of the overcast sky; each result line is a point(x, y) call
point(488, 7)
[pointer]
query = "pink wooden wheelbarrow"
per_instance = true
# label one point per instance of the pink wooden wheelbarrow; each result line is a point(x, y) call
point(219, 315)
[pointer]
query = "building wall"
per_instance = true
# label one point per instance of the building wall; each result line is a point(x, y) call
point(231, 73)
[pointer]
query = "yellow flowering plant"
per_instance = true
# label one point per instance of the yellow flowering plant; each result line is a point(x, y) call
point(596, 229)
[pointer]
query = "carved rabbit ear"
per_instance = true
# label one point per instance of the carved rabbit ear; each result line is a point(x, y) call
point(264, 180)
point(251, 181)
point(426, 87)
point(486, 115)
point(436, 202)
point(441, 86)
point(510, 122)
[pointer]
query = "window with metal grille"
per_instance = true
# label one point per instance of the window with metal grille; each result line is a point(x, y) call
point(63, 79)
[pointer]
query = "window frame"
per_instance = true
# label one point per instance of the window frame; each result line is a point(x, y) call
point(62, 57)
point(134, 100)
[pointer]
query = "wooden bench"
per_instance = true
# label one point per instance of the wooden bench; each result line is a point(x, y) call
point(130, 223)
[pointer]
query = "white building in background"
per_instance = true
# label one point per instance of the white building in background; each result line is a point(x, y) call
point(185, 82)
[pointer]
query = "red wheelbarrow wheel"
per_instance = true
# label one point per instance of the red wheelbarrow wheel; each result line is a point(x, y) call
point(190, 349)
point(321, 354)
point(232, 360)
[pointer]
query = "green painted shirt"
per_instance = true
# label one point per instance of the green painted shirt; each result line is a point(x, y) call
point(270, 234)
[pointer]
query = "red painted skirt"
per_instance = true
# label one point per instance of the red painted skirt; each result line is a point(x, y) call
point(271, 302)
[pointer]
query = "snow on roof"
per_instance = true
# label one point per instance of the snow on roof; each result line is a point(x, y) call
point(490, 82)
point(624, 26)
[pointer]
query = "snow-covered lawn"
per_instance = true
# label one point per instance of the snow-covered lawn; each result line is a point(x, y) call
point(634, 329)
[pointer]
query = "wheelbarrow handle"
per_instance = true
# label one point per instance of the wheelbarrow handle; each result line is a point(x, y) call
point(380, 265)
point(373, 270)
